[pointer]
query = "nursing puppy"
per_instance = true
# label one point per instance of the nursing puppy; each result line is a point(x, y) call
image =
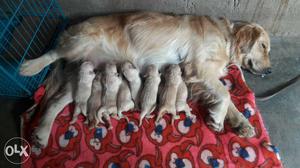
point(95, 100)
point(111, 82)
point(167, 100)
point(124, 100)
point(60, 91)
point(145, 38)
point(55, 105)
point(181, 99)
point(149, 92)
point(133, 77)
point(84, 88)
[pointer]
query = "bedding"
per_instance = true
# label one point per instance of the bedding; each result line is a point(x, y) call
point(188, 143)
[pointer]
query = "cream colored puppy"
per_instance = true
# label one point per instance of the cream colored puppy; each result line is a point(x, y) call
point(94, 101)
point(181, 99)
point(111, 82)
point(133, 77)
point(55, 105)
point(124, 100)
point(168, 95)
point(84, 88)
point(149, 91)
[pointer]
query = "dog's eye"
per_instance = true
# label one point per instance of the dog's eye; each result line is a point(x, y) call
point(263, 45)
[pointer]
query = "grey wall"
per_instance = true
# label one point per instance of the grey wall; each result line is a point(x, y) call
point(279, 17)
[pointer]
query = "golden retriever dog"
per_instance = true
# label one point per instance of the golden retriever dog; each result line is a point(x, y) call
point(146, 38)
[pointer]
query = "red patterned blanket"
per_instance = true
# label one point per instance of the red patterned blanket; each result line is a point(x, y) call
point(189, 143)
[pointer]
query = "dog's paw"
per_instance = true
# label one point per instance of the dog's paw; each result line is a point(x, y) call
point(245, 130)
point(31, 67)
point(212, 124)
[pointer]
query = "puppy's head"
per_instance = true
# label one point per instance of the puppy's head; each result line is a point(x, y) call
point(252, 47)
point(129, 71)
point(87, 69)
point(173, 70)
point(111, 69)
point(151, 70)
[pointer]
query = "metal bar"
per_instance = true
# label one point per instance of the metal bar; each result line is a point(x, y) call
point(43, 18)
point(13, 79)
point(18, 31)
point(37, 8)
point(10, 20)
point(31, 17)
point(26, 29)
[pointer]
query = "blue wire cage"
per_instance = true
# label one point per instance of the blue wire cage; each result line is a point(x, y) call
point(28, 28)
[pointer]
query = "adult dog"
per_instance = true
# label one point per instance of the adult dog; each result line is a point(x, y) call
point(209, 44)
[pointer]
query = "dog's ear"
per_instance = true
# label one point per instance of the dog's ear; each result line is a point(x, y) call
point(245, 37)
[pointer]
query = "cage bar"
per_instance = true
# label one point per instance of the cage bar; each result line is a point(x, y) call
point(28, 28)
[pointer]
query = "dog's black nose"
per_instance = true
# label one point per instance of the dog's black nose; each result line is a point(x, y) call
point(268, 71)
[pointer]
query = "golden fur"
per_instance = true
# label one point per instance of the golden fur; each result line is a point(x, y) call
point(207, 43)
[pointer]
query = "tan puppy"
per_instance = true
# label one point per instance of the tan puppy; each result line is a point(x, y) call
point(55, 105)
point(167, 101)
point(84, 88)
point(181, 99)
point(111, 82)
point(149, 92)
point(124, 100)
point(133, 77)
point(94, 102)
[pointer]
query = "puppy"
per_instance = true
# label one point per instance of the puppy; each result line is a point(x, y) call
point(149, 91)
point(168, 95)
point(111, 82)
point(84, 88)
point(54, 106)
point(181, 99)
point(133, 77)
point(188, 72)
point(94, 101)
point(124, 100)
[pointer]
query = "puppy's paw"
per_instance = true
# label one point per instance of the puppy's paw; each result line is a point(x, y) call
point(74, 119)
point(39, 138)
point(212, 124)
point(149, 116)
point(119, 116)
point(245, 129)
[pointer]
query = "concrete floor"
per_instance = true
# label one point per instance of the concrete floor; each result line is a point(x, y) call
point(281, 114)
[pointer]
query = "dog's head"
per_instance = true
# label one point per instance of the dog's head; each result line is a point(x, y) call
point(252, 47)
